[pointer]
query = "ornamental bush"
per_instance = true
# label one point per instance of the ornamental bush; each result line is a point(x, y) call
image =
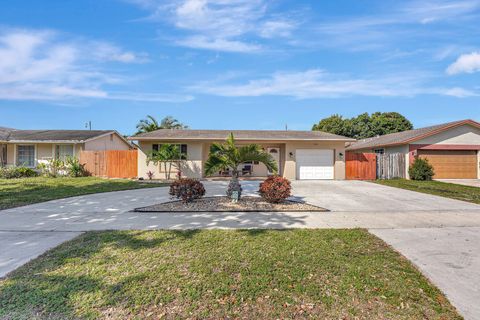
point(187, 189)
point(275, 189)
point(421, 170)
point(17, 172)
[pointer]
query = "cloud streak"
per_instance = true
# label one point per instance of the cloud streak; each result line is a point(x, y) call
point(220, 25)
point(41, 65)
point(315, 83)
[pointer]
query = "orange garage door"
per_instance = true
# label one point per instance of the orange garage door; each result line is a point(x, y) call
point(452, 164)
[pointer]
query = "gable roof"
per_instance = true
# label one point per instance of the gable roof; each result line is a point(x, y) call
point(56, 135)
point(266, 135)
point(71, 136)
point(408, 136)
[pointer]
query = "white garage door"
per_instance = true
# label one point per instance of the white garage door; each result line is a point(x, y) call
point(314, 164)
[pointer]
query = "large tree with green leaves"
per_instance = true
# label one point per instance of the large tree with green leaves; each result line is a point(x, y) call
point(150, 124)
point(364, 125)
point(227, 155)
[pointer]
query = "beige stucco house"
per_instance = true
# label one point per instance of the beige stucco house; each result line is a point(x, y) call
point(452, 148)
point(32, 147)
point(299, 154)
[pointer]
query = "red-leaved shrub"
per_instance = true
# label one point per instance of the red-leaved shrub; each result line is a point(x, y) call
point(275, 189)
point(187, 189)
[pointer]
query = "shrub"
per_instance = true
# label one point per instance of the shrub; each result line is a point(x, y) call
point(17, 172)
point(187, 189)
point(275, 189)
point(75, 168)
point(150, 175)
point(421, 170)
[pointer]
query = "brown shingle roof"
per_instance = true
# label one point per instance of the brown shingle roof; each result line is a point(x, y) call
point(179, 134)
point(407, 136)
point(55, 135)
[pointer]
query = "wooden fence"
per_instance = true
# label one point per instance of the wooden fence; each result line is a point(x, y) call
point(111, 163)
point(390, 166)
point(360, 166)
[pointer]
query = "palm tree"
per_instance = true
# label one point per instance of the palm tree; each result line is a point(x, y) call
point(147, 125)
point(169, 155)
point(151, 124)
point(171, 123)
point(228, 156)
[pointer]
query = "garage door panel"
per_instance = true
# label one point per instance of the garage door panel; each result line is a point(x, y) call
point(313, 164)
point(452, 164)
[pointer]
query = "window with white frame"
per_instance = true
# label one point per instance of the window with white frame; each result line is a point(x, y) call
point(26, 155)
point(63, 151)
point(379, 151)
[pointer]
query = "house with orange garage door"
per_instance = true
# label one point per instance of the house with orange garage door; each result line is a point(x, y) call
point(452, 148)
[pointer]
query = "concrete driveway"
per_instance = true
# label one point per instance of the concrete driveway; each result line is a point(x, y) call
point(400, 217)
point(449, 257)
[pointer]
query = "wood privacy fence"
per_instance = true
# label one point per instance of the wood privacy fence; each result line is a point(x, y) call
point(111, 163)
point(371, 166)
point(360, 166)
point(390, 166)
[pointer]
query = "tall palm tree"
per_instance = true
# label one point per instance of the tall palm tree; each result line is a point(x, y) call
point(151, 124)
point(170, 122)
point(228, 156)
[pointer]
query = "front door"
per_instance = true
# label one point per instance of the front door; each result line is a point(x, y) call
point(275, 153)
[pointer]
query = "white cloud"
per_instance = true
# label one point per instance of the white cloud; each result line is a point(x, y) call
point(41, 65)
point(201, 42)
point(466, 63)
point(220, 25)
point(400, 23)
point(459, 92)
point(315, 83)
point(276, 28)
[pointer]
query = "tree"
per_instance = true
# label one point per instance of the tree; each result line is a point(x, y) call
point(227, 155)
point(151, 124)
point(335, 124)
point(169, 155)
point(364, 125)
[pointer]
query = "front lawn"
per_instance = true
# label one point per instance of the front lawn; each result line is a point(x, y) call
point(19, 192)
point(438, 188)
point(216, 274)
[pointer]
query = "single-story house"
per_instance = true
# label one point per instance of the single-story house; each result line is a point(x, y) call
point(299, 154)
point(31, 147)
point(452, 148)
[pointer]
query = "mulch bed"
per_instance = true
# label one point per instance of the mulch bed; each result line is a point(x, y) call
point(224, 204)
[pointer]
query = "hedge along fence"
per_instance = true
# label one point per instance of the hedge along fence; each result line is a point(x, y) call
point(111, 163)
point(391, 166)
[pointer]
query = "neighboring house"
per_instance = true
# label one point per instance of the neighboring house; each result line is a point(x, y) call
point(452, 148)
point(31, 147)
point(299, 154)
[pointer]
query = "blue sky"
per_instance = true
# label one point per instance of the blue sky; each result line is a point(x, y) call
point(236, 64)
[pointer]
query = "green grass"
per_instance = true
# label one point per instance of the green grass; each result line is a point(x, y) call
point(19, 192)
point(438, 188)
point(250, 274)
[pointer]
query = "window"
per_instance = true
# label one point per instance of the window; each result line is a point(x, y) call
point(3, 155)
point(63, 151)
point(26, 156)
point(183, 149)
point(379, 151)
